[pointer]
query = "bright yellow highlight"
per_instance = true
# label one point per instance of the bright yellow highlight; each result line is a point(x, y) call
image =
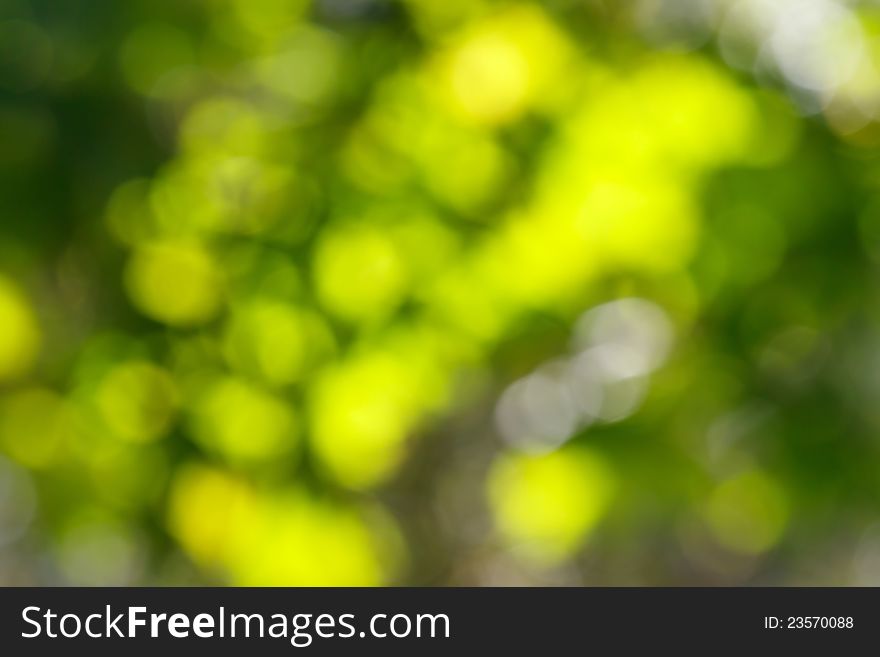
point(137, 401)
point(19, 333)
point(276, 341)
point(748, 513)
point(206, 509)
point(303, 541)
point(672, 115)
point(35, 425)
point(697, 112)
point(244, 424)
point(174, 283)
point(490, 78)
point(361, 413)
point(504, 65)
point(360, 275)
point(404, 135)
point(547, 505)
point(639, 225)
point(553, 258)
point(277, 538)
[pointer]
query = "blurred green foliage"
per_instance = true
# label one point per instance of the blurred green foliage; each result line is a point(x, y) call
point(365, 292)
